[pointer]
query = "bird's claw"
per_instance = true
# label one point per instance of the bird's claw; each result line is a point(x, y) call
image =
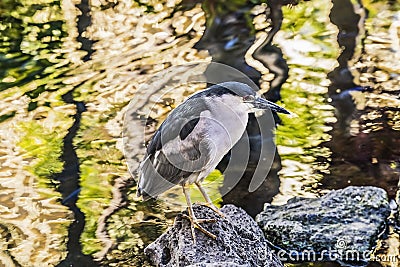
point(195, 223)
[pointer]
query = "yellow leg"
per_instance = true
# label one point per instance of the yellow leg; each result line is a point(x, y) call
point(209, 203)
point(194, 222)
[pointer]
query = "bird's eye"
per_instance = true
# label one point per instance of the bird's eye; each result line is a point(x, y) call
point(248, 98)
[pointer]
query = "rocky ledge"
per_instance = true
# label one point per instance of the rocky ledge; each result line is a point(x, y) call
point(240, 242)
point(342, 225)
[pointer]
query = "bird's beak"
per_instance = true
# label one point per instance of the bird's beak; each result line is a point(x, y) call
point(261, 103)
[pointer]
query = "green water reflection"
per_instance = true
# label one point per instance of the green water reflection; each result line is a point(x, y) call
point(45, 60)
point(311, 53)
point(33, 123)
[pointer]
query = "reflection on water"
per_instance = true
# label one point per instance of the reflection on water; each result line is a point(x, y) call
point(68, 71)
point(33, 223)
point(347, 115)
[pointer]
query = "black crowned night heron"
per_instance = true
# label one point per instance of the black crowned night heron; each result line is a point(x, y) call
point(194, 138)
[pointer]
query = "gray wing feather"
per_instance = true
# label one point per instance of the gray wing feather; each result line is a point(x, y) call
point(157, 174)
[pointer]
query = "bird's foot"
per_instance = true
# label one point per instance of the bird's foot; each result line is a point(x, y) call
point(213, 208)
point(195, 223)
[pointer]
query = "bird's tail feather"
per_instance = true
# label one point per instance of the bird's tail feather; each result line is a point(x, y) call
point(151, 183)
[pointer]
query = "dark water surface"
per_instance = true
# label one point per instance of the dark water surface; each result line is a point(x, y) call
point(68, 70)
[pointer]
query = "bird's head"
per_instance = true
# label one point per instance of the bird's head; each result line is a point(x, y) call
point(257, 103)
point(248, 96)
